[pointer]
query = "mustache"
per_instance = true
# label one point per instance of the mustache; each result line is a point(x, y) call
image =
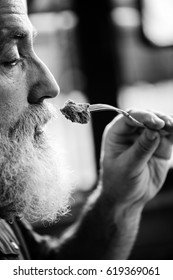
point(33, 119)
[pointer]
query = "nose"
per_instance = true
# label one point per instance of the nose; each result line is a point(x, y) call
point(42, 83)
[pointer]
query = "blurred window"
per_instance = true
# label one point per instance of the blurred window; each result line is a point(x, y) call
point(145, 69)
point(157, 21)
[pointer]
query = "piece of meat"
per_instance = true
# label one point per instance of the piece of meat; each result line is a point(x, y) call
point(76, 112)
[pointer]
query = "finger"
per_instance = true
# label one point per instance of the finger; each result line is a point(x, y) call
point(120, 125)
point(170, 138)
point(144, 148)
point(123, 126)
point(164, 149)
point(148, 118)
point(167, 119)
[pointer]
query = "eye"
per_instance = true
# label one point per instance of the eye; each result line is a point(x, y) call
point(12, 63)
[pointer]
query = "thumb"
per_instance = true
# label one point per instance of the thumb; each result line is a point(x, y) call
point(144, 147)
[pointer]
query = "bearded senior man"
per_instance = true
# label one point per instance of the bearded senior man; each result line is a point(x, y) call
point(33, 183)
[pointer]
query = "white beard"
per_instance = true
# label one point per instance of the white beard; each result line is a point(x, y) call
point(34, 182)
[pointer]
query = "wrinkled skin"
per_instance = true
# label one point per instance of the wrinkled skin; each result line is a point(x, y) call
point(24, 79)
point(136, 159)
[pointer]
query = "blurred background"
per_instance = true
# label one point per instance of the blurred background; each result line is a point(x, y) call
point(117, 52)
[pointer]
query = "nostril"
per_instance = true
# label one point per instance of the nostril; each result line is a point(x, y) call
point(41, 90)
point(42, 98)
point(35, 99)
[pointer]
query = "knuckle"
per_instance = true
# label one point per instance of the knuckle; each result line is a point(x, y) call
point(143, 147)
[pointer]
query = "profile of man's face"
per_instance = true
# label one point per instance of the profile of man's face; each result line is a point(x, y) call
point(34, 183)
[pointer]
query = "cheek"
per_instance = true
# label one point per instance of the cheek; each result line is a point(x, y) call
point(13, 100)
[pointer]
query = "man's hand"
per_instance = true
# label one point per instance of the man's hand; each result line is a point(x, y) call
point(135, 161)
point(134, 164)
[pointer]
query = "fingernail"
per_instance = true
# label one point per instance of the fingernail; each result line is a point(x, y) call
point(158, 122)
point(151, 135)
point(169, 122)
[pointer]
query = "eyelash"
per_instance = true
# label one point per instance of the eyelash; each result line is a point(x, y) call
point(12, 63)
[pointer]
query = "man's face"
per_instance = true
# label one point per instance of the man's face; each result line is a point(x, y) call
point(24, 79)
point(32, 178)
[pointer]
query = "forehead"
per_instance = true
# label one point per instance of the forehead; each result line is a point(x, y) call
point(13, 16)
point(13, 6)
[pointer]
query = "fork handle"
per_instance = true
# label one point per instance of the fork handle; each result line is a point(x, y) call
point(106, 107)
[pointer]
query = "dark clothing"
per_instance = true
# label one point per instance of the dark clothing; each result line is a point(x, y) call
point(18, 241)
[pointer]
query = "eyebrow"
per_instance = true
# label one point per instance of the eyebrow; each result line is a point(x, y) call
point(17, 34)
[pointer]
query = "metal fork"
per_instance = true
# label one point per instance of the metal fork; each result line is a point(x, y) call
point(106, 107)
